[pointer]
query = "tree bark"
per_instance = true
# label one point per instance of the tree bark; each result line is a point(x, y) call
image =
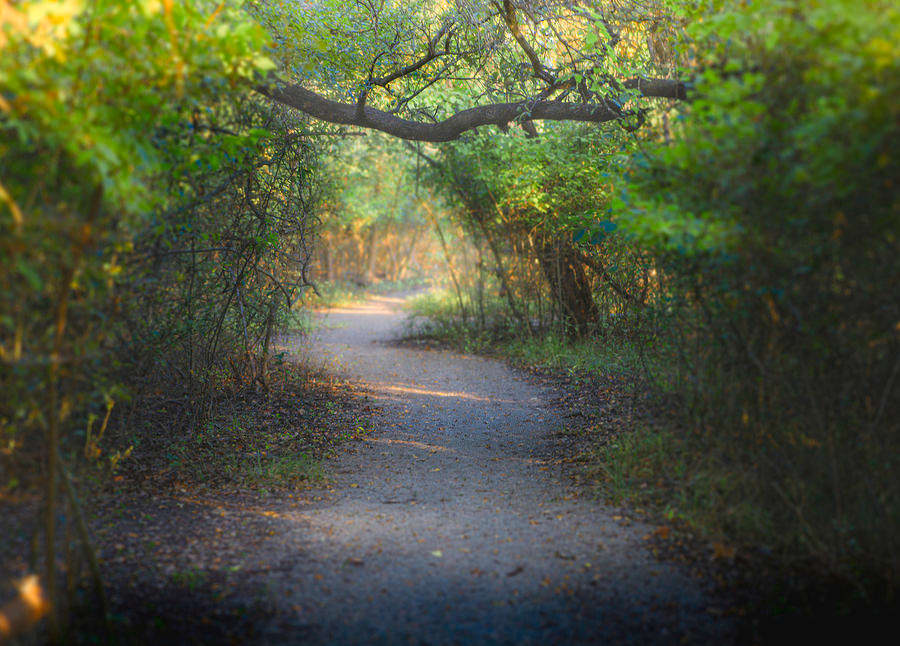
point(497, 114)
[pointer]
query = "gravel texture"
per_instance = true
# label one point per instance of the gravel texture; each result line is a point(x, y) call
point(452, 524)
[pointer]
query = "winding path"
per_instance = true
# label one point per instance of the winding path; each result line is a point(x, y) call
point(447, 527)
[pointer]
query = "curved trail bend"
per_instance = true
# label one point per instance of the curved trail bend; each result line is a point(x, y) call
point(447, 527)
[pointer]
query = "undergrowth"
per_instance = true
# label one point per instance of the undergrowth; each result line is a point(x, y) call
point(434, 316)
point(256, 439)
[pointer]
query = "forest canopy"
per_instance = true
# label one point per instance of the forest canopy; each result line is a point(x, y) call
point(431, 71)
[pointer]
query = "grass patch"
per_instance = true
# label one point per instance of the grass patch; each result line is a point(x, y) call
point(553, 350)
point(263, 470)
point(334, 294)
point(656, 467)
point(435, 316)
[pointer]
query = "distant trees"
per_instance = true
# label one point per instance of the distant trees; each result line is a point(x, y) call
point(372, 225)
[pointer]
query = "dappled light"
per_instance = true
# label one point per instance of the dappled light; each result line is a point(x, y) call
point(377, 306)
point(17, 616)
point(413, 390)
point(413, 443)
point(506, 321)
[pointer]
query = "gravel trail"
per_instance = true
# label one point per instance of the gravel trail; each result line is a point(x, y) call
point(448, 526)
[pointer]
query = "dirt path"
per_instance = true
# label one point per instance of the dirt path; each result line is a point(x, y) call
point(447, 527)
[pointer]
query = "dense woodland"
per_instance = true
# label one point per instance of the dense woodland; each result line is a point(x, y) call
point(697, 197)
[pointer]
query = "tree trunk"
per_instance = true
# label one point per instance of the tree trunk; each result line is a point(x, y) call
point(569, 285)
point(327, 259)
point(371, 253)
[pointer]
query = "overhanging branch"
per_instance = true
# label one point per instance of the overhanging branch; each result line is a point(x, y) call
point(498, 114)
point(659, 88)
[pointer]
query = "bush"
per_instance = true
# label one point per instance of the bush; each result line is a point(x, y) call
point(150, 220)
point(774, 215)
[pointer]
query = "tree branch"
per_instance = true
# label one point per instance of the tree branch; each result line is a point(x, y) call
point(509, 17)
point(429, 56)
point(661, 88)
point(498, 114)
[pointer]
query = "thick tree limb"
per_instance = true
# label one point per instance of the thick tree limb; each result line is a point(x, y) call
point(660, 88)
point(498, 114)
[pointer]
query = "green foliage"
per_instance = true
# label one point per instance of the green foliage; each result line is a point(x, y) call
point(154, 218)
point(88, 92)
point(774, 216)
point(155, 227)
point(538, 211)
point(559, 180)
point(92, 81)
point(373, 181)
point(757, 146)
point(432, 58)
point(334, 43)
point(107, 116)
point(744, 244)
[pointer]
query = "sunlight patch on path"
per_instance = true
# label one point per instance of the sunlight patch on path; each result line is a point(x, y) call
point(419, 445)
point(411, 390)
